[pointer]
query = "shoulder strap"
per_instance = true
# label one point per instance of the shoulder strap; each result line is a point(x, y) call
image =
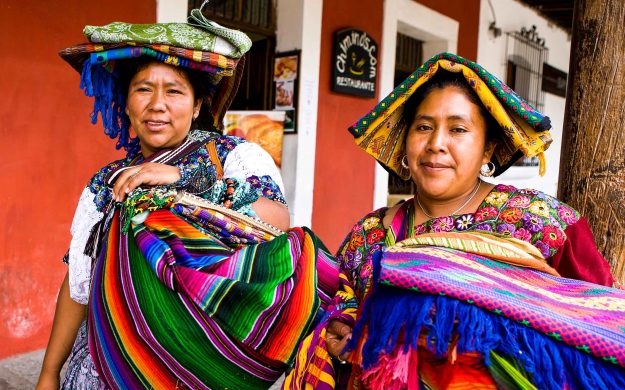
point(402, 225)
point(214, 157)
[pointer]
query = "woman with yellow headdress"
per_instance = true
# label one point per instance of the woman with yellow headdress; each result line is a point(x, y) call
point(468, 284)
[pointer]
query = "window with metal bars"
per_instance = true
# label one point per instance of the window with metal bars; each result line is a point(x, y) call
point(257, 18)
point(408, 57)
point(526, 54)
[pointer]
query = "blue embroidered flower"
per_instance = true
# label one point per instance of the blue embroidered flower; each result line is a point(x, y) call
point(266, 187)
point(506, 229)
point(532, 222)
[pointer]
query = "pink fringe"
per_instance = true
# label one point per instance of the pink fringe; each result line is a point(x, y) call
point(397, 371)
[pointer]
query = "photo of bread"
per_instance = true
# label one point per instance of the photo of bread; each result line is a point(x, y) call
point(265, 128)
point(285, 68)
point(284, 94)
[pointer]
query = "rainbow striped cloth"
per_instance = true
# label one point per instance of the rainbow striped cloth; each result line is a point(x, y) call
point(178, 302)
point(533, 329)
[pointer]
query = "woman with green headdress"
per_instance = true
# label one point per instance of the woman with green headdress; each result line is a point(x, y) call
point(468, 284)
point(179, 256)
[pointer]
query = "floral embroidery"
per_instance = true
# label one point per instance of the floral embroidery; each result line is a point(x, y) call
point(497, 198)
point(370, 223)
point(527, 215)
point(485, 213)
point(522, 234)
point(540, 207)
point(543, 248)
point(375, 235)
point(365, 271)
point(356, 242)
point(532, 223)
point(98, 187)
point(484, 226)
point(443, 224)
point(419, 229)
point(567, 215)
point(552, 236)
point(464, 222)
point(266, 187)
point(519, 201)
point(506, 229)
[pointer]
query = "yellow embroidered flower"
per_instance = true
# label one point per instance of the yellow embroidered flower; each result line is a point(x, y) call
point(539, 207)
point(370, 223)
point(497, 198)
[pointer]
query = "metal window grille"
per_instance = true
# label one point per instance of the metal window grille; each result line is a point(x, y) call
point(257, 16)
point(408, 57)
point(526, 54)
point(525, 59)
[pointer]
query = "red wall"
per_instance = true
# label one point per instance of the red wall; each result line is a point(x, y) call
point(343, 191)
point(48, 151)
point(343, 188)
point(467, 14)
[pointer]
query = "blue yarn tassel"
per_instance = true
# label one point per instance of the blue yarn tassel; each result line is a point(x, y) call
point(389, 312)
point(109, 102)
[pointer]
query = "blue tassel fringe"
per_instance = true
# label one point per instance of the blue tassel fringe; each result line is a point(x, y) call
point(109, 102)
point(389, 312)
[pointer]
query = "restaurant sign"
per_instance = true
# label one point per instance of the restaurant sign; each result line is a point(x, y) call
point(355, 63)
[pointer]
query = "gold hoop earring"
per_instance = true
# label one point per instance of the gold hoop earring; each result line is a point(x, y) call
point(488, 169)
point(404, 162)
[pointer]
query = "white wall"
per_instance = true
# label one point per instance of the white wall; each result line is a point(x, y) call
point(511, 15)
point(299, 27)
point(169, 11)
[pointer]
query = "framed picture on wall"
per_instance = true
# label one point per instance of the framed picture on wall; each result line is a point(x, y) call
point(265, 128)
point(285, 79)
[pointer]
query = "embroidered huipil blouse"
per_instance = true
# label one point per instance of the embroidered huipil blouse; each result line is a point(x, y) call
point(558, 231)
point(244, 161)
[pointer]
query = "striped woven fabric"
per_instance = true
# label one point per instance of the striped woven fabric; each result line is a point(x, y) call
point(220, 64)
point(555, 332)
point(173, 306)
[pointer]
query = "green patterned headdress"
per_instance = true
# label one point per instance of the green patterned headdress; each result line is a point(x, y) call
point(200, 45)
point(382, 131)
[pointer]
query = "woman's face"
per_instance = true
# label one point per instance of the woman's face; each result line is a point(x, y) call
point(446, 144)
point(160, 106)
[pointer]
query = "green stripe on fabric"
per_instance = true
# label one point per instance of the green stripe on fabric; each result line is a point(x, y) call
point(177, 331)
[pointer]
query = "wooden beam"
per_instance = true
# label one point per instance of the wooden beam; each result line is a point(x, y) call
point(592, 169)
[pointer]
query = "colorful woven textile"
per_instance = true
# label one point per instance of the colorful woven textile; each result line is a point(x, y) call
point(563, 333)
point(381, 132)
point(227, 42)
point(173, 305)
point(196, 59)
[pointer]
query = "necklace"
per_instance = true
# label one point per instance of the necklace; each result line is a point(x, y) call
point(477, 187)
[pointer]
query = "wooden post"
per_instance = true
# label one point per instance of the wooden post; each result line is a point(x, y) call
point(592, 167)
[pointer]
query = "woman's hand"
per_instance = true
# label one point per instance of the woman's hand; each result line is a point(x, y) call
point(337, 336)
point(150, 174)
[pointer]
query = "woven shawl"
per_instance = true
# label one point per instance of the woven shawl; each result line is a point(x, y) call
point(563, 333)
point(196, 297)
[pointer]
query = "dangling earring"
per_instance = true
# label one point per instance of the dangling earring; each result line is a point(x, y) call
point(488, 169)
point(404, 162)
point(195, 115)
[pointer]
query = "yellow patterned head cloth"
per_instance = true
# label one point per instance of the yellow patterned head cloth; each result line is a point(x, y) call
point(382, 132)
